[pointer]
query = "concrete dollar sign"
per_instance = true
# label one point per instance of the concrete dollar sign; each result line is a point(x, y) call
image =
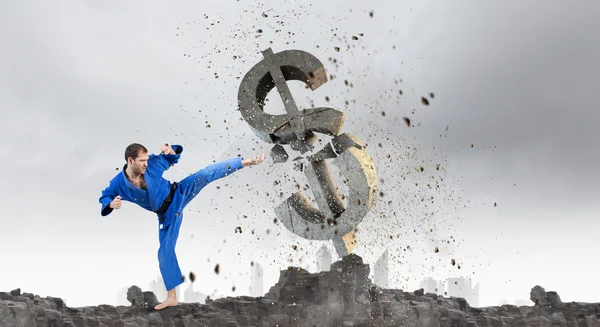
point(331, 221)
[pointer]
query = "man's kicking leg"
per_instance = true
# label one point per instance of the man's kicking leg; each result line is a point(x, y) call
point(190, 187)
point(194, 183)
point(167, 260)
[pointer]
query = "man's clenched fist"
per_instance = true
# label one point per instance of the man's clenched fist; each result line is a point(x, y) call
point(116, 203)
point(166, 149)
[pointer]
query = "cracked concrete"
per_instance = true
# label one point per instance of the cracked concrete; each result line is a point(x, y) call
point(331, 220)
point(296, 125)
point(342, 296)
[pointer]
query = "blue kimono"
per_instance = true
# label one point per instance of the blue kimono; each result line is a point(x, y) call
point(158, 189)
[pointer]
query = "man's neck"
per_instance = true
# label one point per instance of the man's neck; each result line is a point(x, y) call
point(132, 174)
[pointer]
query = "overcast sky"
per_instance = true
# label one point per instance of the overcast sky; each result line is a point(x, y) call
point(80, 81)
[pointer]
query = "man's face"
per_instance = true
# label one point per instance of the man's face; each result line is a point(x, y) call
point(140, 164)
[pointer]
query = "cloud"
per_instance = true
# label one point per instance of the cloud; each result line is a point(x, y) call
point(79, 81)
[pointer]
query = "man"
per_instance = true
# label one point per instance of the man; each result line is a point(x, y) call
point(141, 182)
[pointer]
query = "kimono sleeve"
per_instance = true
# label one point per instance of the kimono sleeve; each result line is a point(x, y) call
point(174, 158)
point(168, 160)
point(108, 195)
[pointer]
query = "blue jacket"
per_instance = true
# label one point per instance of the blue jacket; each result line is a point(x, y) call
point(158, 187)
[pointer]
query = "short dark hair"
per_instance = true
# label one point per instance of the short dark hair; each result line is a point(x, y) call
point(133, 150)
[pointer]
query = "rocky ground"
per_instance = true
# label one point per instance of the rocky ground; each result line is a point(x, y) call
point(343, 296)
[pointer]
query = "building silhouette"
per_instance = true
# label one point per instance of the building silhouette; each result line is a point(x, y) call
point(430, 285)
point(461, 287)
point(381, 270)
point(122, 297)
point(157, 286)
point(256, 279)
point(323, 259)
point(523, 303)
point(191, 296)
point(475, 296)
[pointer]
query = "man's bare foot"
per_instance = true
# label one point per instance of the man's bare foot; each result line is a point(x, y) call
point(169, 302)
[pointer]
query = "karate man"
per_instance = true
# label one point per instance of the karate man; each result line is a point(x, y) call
point(141, 182)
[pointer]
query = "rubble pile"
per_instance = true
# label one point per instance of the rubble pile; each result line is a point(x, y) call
point(343, 296)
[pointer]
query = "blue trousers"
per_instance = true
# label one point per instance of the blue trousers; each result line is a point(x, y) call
point(168, 232)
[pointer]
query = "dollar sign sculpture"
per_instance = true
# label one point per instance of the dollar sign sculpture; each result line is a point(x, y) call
point(331, 221)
